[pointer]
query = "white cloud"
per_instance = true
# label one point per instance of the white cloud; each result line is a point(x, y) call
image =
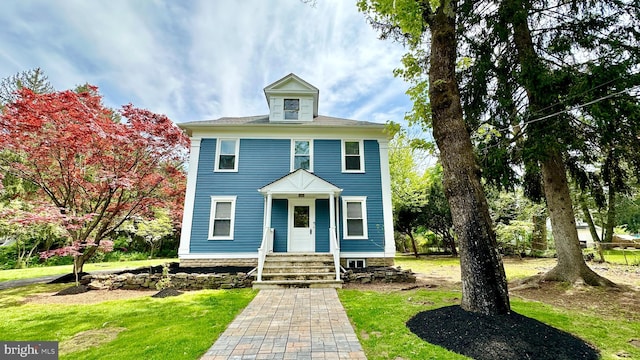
point(206, 59)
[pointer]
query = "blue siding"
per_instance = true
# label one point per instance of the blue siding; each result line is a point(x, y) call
point(262, 161)
point(322, 225)
point(280, 222)
point(329, 167)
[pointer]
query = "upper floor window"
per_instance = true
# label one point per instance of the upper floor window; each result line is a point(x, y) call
point(223, 209)
point(301, 155)
point(352, 156)
point(291, 109)
point(227, 155)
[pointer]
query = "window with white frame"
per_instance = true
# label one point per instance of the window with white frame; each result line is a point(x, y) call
point(301, 155)
point(354, 217)
point(221, 224)
point(356, 263)
point(291, 109)
point(227, 154)
point(352, 156)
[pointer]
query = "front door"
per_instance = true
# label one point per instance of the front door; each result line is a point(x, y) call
point(302, 219)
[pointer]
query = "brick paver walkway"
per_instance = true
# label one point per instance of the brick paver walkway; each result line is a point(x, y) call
point(289, 324)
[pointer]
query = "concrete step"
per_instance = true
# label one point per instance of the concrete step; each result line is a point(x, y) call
point(299, 276)
point(283, 284)
point(276, 269)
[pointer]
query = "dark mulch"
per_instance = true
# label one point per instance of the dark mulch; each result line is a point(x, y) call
point(166, 293)
point(78, 289)
point(511, 336)
point(64, 279)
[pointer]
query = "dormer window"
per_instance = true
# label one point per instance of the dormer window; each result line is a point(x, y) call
point(291, 109)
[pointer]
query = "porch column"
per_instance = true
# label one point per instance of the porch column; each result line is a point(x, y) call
point(267, 223)
point(332, 219)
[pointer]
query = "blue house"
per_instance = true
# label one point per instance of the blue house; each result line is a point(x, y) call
point(291, 183)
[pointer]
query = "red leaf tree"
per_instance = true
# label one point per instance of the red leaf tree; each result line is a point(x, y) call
point(96, 167)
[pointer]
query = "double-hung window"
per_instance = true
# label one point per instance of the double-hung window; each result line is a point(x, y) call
point(352, 156)
point(354, 217)
point(227, 155)
point(301, 155)
point(221, 224)
point(291, 109)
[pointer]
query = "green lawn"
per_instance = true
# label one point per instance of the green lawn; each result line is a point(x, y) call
point(379, 321)
point(28, 273)
point(181, 327)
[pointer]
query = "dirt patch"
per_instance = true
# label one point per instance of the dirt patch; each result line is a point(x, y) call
point(89, 297)
point(90, 338)
point(510, 336)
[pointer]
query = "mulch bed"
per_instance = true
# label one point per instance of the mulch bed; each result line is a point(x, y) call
point(78, 289)
point(484, 337)
point(166, 293)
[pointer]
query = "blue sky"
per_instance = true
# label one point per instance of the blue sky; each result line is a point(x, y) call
point(198, 60)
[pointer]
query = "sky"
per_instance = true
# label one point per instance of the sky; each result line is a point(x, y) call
point(205, 59)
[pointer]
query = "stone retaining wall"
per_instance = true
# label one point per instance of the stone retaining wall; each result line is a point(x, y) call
point(184, 281)
point(383, 274)
point(180, 281)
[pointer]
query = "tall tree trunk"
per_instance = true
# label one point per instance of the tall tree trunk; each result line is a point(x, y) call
point(484, 286)
point(539, 236)
point(571, 266)
point(413, 244)
point(592, 227)
point(611, 214)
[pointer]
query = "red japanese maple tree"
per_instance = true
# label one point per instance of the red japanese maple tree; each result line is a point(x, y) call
point(94, 166)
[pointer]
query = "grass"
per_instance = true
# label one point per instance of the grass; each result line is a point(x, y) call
point(181, 327)
point(17, 274)
point(624, 257)
point(379, 321)
point(435, 266)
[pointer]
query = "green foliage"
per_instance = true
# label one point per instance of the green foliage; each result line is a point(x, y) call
point(33, 79)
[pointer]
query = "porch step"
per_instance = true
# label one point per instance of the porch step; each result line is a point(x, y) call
point(280, 284)
point(285, 270)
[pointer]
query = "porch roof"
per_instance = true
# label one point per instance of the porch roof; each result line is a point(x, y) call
point(300, 182)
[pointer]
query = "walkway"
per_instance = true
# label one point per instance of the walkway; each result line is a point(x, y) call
point(289, 324)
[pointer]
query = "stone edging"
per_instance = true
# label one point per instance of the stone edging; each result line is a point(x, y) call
point(185, 281)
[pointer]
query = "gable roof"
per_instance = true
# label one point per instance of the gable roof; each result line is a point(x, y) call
point(300, 182)
point(293, 85)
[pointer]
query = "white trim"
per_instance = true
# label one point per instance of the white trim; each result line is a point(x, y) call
point(217, 199)
point(236, 154)
point(249, 255)
point(364, 263)
point(189, 198)
point(344, 155)
point(293, 154)
point(358, 255)
point(363, 206)
point(290, 131)
point(389, 241)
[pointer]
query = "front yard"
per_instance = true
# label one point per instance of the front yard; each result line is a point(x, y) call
point(132, 325)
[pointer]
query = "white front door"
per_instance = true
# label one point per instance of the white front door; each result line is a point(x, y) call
point(302, 220)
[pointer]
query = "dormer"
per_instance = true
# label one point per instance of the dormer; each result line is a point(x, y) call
point(292, 99)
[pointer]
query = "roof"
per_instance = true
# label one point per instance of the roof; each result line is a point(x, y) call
point(294, 85)
point(300, 182)
point(263, 120)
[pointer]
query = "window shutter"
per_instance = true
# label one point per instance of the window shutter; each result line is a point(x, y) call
point(277, 109)
point(306, 109)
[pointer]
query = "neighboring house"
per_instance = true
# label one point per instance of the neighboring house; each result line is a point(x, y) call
point(584, 235)
point(291, 181)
